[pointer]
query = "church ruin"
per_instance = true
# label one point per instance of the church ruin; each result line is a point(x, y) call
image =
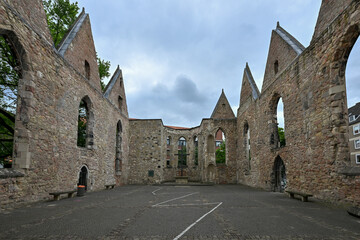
point(56, 85)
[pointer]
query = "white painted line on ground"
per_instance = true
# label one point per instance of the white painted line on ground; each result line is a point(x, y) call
point(189, 227)
point(154, 192)
point(189, 204)
point(174, 199)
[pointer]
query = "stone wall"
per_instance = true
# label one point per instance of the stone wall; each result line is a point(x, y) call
point(147, 151)
point(312, 87)
point(45, 148)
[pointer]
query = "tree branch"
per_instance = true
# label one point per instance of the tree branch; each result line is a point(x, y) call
point(8, 115)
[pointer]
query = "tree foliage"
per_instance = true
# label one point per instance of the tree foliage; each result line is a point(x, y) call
point(182, 156)
point(104, 70)
point(60, 15)
point(220, 153)
point(281, 137)
point(9, 77)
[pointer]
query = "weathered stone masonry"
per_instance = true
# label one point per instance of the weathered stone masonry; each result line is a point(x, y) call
point(310, 81)
point(46, 153)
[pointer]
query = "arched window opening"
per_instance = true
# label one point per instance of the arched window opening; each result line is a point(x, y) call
point(85, 136)
point(118, 157)
point(87, 69)
point(247, 143)
point(353, 102)
point(277, 126)
point(82, 124)
point(210, 144)
point(220, 153)
point(10, 73)
point(276, 66)
point(281, 123)
point(168, 150)
point(196, 151)
point(120, 102)
point(182, 155)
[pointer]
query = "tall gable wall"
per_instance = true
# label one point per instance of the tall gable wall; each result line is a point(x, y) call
point(115, 92)
point(312, 87)
point(46, 155)
point(280, 52)
point(81, 49)
point(329, 10)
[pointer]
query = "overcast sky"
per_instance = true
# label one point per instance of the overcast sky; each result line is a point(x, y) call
point(177, 55)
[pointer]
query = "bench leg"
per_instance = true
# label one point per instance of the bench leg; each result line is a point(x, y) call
point(291, 195)
point(70, 195)
point(56, 197)
point(304, 198)
point(112, 186)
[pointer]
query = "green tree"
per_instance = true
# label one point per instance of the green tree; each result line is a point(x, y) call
point(220, 153)
point(9, 77)
point(104, 67)
point(60, 15)
point(182, 156)
point(281, 136)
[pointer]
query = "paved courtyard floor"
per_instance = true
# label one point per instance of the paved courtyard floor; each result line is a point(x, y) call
point(179, 212)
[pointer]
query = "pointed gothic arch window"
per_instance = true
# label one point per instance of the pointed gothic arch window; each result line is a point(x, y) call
point(85, 137)
point(196, 151)
point(276, 67)
point(351, 64)
point(11, 73)
point(87, 69)
point(182, 154)
point(247, 143)
point(277, 126)
point(118, 156)
point(220, 146)
point(168, 151)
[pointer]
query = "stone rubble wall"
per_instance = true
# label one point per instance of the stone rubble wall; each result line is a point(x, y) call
point(46, 149)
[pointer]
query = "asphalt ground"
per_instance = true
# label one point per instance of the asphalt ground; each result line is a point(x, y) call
point(179, 212)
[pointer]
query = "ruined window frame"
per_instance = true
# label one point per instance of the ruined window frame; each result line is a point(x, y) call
point(90, 122)
point(15, 65)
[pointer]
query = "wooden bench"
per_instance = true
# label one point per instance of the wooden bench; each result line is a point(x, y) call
point(57, 194)
point(110, 186)
point(304, 196)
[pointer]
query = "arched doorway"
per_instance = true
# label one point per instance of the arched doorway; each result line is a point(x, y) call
point(279, 175)
point(83, 176)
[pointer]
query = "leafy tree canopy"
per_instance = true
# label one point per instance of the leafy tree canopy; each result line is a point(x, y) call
point(220, 153)
point(281, 137)
point(60, 15)
point(104, 67)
